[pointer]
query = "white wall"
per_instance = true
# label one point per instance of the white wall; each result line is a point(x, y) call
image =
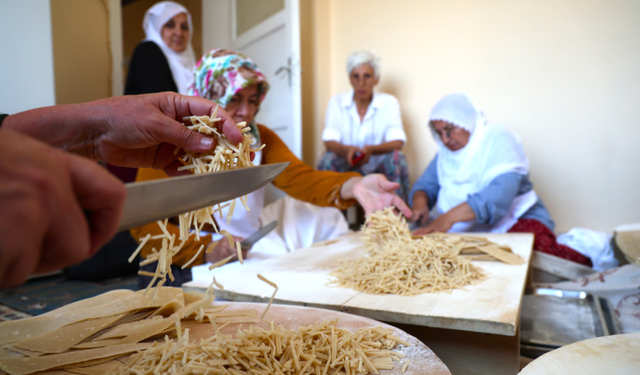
point(564, 75)
point(26, 57)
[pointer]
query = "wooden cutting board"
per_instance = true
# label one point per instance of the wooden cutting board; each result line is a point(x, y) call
point(492, 306)
point(423, 360)
point(618, 354)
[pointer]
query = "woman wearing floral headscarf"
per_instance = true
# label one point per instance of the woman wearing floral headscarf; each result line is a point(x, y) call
point(479, 180)
point(236, 83)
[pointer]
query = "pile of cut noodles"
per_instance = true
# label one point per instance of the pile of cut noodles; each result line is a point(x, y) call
point(225, 156)
point(397, 264)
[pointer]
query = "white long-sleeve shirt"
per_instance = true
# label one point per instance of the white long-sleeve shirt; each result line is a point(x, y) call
point(382, 123)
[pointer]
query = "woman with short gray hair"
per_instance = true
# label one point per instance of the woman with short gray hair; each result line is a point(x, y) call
point(363, 57)
point(363, 128)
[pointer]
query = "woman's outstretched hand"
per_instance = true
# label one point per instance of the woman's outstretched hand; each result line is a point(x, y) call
point(374, 192)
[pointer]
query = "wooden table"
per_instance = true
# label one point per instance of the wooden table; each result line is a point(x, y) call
point(474, 331)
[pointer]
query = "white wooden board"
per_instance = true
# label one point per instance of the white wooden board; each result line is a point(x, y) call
point(490, 307)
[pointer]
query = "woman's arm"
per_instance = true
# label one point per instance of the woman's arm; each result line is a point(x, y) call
point(385, 147)
point(380, 149)
point(347, 152)
point(300, 181)
point(488, 206)
point(444, 222)
point(420, 207)
point(427, 183)
point(325, 188)
point(341, 150)
point(493, 202)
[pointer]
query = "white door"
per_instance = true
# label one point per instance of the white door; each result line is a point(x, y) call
point(268, 32)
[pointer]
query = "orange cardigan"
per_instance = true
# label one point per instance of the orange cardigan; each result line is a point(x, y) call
point(300, 181)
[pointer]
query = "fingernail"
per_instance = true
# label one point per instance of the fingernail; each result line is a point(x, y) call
point(206, 142)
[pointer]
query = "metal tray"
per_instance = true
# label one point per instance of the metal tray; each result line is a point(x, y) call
point(551, 318)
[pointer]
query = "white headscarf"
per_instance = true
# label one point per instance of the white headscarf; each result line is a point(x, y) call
point(180, 63)
point(492, 150)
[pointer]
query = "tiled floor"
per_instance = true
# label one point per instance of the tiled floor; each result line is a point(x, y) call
point(7, 313)
point(39, 296)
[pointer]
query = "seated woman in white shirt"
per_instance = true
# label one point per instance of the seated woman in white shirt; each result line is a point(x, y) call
point(363, 129)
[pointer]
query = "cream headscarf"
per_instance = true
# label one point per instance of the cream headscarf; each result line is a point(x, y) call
point(492, 150)
point(182, 63)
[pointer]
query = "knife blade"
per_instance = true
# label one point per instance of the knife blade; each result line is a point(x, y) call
point(154, 200)
point(248, 242)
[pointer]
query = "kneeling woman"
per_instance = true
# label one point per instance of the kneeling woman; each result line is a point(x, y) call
point(479, 180)
point(236, 83)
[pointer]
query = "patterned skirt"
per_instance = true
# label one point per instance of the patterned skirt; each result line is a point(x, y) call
point(393, 165)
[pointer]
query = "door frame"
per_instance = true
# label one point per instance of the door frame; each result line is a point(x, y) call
point(115, 42)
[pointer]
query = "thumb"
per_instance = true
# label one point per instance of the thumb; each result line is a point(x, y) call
point(386, 184)
point(424, 218)
point(195, 142)
point(231, 130)
point(402, 207)
point(187, 139)
point(415, 215)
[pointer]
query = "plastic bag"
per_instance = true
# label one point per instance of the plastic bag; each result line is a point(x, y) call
point(592, 244)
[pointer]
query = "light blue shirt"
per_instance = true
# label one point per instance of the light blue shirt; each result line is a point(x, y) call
point(491, 203)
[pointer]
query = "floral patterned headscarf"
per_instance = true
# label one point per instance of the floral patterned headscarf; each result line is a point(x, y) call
point(221, 73)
